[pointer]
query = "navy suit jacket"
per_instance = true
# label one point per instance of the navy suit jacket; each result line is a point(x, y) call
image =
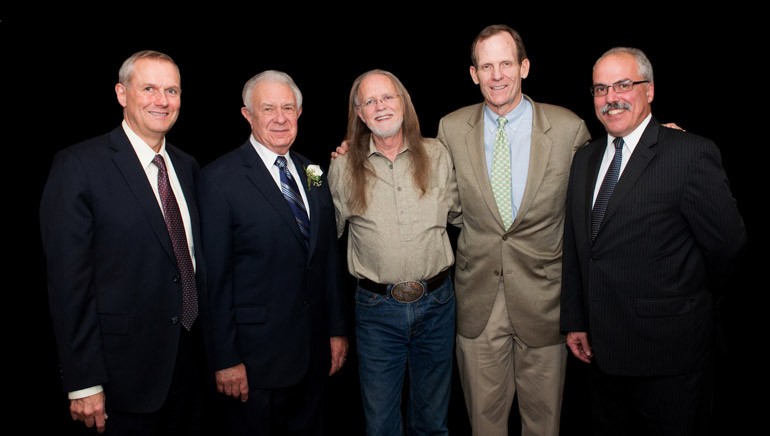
point(275, 301)
point(671, 234)
point(114, 289)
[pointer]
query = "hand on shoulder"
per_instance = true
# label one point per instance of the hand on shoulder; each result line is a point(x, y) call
point(340, 150)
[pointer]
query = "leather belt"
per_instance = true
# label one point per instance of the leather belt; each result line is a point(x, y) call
point(406, 292)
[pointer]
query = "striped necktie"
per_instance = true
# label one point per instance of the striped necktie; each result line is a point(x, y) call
point(605, 191)
point(290, 191)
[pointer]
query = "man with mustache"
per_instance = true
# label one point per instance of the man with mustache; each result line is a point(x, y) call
point(651, 230)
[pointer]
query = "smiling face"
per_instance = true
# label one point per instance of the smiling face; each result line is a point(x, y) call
point(151, 99)
point(621, 113)
point(499, 73)
point(274, 115)
point(386, 114)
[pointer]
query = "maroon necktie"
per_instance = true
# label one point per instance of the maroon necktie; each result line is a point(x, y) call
point(175, 229)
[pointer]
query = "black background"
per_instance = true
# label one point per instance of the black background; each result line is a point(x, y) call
point(58, 74)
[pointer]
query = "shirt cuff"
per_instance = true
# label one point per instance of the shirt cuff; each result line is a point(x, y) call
point(87, 392)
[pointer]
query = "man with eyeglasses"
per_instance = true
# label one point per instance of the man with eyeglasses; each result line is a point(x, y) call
point(396, 190)
point(513, 182)
point(641, 263)
point(277, 307)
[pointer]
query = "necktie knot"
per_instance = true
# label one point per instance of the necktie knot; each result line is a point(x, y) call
point(280, 161)
point(159, 162)
point(501, 122)
point(618, 143)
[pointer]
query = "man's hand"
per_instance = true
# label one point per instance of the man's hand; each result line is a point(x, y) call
point(339, 151)
point(90, 410)
point(578, 344)
point(233, 382)
point(339, 346)
point(669, 125)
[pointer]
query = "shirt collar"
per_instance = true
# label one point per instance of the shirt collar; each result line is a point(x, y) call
point(144, 152)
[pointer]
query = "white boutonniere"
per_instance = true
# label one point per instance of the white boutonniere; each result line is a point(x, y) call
point(313, 173)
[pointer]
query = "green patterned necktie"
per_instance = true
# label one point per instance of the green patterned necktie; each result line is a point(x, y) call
point(501, 173)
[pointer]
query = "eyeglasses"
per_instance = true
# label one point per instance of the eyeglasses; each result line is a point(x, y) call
point(372, 102)
point(618, 87)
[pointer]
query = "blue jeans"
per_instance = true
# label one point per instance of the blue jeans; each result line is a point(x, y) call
point(393, 337)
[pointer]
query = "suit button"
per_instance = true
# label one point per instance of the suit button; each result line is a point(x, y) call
point(174, 320)
point(505, 237)
point(177, 279)
point(497, 273)
point(593, 259)
point(306, 303)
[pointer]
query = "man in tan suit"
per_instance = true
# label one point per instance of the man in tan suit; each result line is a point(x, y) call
point(508, 265)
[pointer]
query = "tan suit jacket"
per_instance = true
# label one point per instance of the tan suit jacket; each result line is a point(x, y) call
point(528, 254)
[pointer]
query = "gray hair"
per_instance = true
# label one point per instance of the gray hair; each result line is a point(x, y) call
point(644, 65)
point(270, 76)
point(127, 69)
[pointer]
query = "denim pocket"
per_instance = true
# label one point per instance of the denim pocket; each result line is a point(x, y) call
point(443, 294)
point(367, 298)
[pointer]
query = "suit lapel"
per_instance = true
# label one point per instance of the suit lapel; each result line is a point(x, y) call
point(312, 200)
point(592, 172)
point(640, 158)
point(475, 143)
point(540, 152)
point(187, 183)
point(185, 179)
point(261, 178)
point(128, 164)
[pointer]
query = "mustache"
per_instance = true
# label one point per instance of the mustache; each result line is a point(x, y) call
point(616, 105)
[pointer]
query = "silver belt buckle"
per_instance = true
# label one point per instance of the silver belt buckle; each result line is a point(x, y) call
point(407, 292)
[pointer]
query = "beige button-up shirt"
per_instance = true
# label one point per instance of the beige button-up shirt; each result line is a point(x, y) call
point(402, 235)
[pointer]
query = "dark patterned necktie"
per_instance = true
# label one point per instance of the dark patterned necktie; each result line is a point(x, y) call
point(605, 191)
point(178, 236)
point(290, 191)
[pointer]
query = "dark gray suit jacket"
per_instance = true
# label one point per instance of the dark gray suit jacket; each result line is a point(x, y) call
point(671, 233)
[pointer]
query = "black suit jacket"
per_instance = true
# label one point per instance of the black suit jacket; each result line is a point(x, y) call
point(671, 233)
point(275, 302)
point(114, 289)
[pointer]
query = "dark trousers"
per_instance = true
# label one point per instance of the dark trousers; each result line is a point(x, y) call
point(677, 405)
point(295, 411)
point(182, 411)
